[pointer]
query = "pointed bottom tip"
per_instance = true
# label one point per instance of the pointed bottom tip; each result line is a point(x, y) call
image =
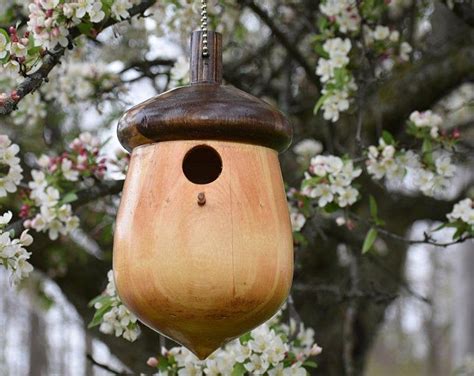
point(202, 353)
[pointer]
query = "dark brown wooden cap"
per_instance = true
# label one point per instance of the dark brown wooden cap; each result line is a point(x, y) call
point(205, 110)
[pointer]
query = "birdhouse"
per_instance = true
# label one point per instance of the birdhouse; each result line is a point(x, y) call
point(203, 248)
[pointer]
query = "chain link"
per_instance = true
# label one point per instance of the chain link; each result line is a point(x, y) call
point(204, 28)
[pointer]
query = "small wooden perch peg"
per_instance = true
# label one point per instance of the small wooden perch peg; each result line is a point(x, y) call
point(201, 199)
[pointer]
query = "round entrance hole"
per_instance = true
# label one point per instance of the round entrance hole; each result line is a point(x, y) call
point(202, 164)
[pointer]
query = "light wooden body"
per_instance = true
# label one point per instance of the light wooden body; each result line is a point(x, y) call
point(203, 275)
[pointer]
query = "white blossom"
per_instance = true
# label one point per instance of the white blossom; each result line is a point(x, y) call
point(464, 211)
point(444, 167)
point(118, 320)
point(381, 32)
point(5, 218)
point(96, 13)
point(68, 172)
point(325, 70)
point(10, 169)
point(426, 119)
point(306, 149)
point(180, 69)
point(334, 104)
point(334, 177)
point(338, 49)
point(405, 50)
point(344, 12)
point(298, 220)
point(13, 255)
point(348, 197)
point(120, 8)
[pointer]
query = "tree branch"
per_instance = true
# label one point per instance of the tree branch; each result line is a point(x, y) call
point(418, 87)
point(53, 58)
point(427, 238)
point(103, 366)
point(290, 46)
point(463, 9)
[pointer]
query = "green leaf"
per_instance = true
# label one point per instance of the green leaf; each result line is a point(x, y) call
point(441, 226)
point(299, 238)
point(5, 34)
point(98, 299)
point(163, 364)
point(321, 51)
point(311, 181)
point(245, 338)
point(69, 197)
point(99, 314)
point(85, 28)
point(369, 240)
point(321, 101)
point(7, 57)
point(373, 208)
point(427, 149)
point(341, 77)
point(310, 364)
point(460, 231)
point(427, 146)
point(388, 138)
point(239, 370)
point(322, 23)
point(331, 207)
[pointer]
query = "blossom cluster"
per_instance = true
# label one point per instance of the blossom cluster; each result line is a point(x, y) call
point(112, 316)
point(384, 41)
point(429, 170)
point(462, 218)
point(73, 82)
point(386, 161)
point(307, 149)
point(344, 17)
point(16, 49)
point(10, 169)
point(274, 348)
point(49, 25)
point(53, 186)
point(78, 82)
point(297, 218)
point(31, 111)
point(337, 79)
point(343, 12)
point(50, 20)
point(383, 161)
point(329, 180)
point(13, 255)
point(424, 124)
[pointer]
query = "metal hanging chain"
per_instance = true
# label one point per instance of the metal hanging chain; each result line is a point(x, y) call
point(204, 28)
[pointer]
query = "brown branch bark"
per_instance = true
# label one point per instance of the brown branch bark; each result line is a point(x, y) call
point(418, 87)
point(53, 58)
point(463, 9)
point(290, 46)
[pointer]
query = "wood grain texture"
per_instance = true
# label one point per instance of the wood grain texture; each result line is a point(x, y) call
point(203, 275)
point(206, 69)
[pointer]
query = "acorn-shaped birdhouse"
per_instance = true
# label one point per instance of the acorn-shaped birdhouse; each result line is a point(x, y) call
point(203, 248)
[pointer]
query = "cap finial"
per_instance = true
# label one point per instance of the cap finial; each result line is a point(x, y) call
point(206, 69)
